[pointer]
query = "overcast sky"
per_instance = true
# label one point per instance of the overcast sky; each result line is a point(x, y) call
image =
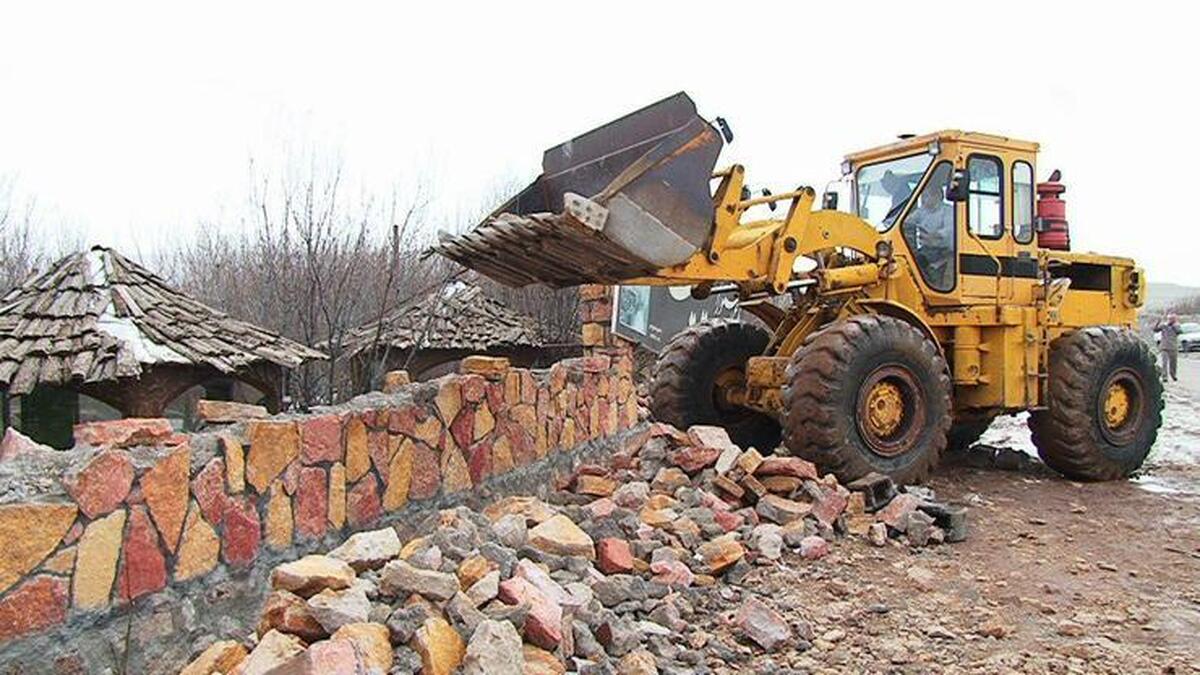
point(134, 123)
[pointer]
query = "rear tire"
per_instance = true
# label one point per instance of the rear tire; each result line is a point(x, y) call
point(684, 389)
point(1104, 405)
point(869, 393)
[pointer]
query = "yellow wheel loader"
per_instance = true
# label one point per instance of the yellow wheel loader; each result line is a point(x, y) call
point(889, 326)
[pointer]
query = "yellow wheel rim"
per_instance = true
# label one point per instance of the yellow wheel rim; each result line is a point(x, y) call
point(885, 408)
point(1116, 405)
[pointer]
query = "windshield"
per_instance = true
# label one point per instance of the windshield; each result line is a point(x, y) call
point(884, 188)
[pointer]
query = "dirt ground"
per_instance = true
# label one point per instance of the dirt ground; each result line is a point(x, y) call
point(1055, 576)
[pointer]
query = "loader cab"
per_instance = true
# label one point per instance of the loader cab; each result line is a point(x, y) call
point(958, 207)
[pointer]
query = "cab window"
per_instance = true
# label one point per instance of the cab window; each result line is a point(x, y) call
point(929, 230)
point(885, 188)
point(985, 215)
point(1022, 201)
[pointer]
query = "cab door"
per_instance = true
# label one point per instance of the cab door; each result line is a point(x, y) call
point(986, 251)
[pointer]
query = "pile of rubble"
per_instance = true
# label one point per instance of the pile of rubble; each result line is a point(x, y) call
point(623, 569)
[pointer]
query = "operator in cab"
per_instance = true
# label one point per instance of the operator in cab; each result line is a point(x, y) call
point(931, 227)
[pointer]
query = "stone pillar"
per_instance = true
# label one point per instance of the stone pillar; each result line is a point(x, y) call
point(596, 314)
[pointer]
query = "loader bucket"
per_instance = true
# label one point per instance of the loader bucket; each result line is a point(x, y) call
point(613, 204)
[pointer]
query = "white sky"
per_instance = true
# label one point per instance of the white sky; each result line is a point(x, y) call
point(133, 123)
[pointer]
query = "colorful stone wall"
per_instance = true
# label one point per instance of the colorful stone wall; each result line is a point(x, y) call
point(136, 509)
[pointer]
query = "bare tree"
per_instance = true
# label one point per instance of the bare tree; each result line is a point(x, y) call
point(307, 260)
point(20, 250)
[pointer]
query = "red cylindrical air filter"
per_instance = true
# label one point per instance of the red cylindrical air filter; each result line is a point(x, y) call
point(1052, 214)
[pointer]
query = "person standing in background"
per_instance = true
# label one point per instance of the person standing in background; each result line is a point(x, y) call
point(1168, 344)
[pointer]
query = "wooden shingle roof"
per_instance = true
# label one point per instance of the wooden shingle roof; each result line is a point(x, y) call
point(457, 316)
point(97, 316)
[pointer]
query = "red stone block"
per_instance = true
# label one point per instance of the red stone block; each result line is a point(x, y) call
point(242, 532)
point(379, 448)
point(426, 477)
point(103, 484)
point(787, 466)
point(495, 396)
point(37, 604)
point(463, 427)
point(693, 459)
point(543, 625)
point(362, 502)
point(321, 439)
point(728, 520)
point(312, 503)
point(125, 432)
point(474, 388)
point(479, 462)
point(594, 364)
point(403, 420)
point(613, 556)
point(143, 568)
point(829, 506)
point(208, 487)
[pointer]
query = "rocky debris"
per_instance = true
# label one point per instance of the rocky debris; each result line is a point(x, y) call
point(368, 550)
point(312, 574)
point(592, 579)
point(762, 625)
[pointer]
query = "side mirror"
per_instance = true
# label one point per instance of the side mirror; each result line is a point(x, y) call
point(960, 186)
point(829, 201)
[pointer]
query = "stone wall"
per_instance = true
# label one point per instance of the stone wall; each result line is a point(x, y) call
point(137, 522)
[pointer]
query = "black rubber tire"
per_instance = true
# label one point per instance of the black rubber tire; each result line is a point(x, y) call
point(822, 398)
point(965, 432)
point(1069, 434)
point(684, 382)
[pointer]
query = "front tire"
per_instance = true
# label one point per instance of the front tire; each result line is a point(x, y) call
point(869, 393)
point(686, 387)
point(1104, 405)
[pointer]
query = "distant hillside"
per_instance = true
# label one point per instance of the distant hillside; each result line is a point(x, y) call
point(1161, 296)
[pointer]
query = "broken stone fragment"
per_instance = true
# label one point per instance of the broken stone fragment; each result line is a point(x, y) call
point(613, 556)
point(560, 536)
point(399, 578)
point(273, 650)
point(312, 574)
point(221, 656)
point(440, 647)
point(762, 625)
point(371, 643)
point(787, 466)
point(287, 612)
point(637, 662)
point(494, 649)
point(813, 547)
point(781, 510)
point(368, 550)
point(334, 609)
point(718, 554)
point(895, 514)
point(595, 486)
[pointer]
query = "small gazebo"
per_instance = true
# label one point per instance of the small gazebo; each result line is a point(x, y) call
point(100, 325)
point(430, 333)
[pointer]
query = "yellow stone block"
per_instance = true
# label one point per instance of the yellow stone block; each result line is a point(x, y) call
point(279, 518)
point(199, 547)
point(62, 562)
point(96, 561)
point(491, 367)
point(235, 464)
point(455, 474)
point(484, 421)
point(337, 496)
point(399, 477)
point(30, 532)
point(273, 445)
point(440, 647)
point(165, 488)
point(449, 400)
point(220, 657)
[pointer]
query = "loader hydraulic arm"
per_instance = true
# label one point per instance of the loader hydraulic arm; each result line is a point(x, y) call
point(762, 254)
